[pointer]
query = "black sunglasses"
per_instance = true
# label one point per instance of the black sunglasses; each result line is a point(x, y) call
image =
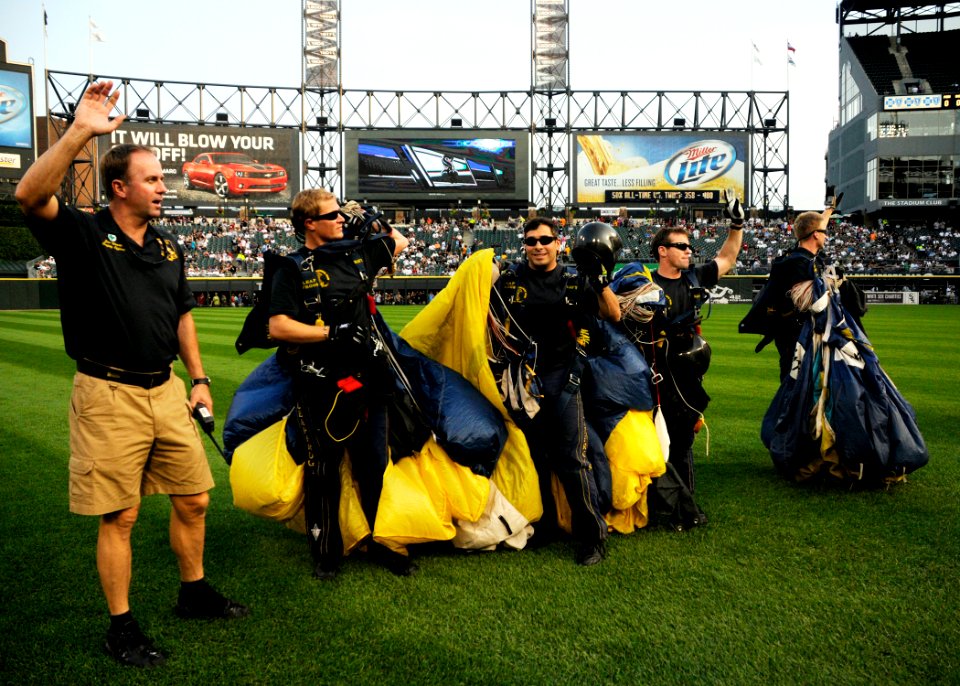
point(542, 240)
point(329, 216)
point(679, 246)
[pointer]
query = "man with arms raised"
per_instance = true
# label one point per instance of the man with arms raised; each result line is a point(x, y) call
point(125, 310)
point(678, 355)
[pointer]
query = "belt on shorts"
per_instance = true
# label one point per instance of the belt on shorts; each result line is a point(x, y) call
point(141, 379)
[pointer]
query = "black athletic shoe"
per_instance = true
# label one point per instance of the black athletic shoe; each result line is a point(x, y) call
point(399, 565)
point(324, 573)
point(209, 603)
point(130, 646)
point(591, 553)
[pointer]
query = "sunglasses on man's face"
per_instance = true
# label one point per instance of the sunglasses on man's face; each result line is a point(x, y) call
point(682, 247)
point(329, 216)
point(542, 240)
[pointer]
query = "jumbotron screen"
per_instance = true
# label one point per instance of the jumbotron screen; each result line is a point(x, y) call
point(16, 120)
point(417, 165)
point(688, 167)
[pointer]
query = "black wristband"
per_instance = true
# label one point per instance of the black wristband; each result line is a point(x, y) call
point(202, 381)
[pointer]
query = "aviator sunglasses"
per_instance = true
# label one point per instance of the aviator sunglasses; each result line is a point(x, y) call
point(542, 240)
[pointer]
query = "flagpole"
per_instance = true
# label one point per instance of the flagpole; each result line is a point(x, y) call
point(46, 79)
point(90, 45)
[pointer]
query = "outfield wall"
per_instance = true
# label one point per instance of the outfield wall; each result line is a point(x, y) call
point(41, 294)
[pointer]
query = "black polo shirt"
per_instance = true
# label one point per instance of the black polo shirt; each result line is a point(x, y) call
point(120, 304)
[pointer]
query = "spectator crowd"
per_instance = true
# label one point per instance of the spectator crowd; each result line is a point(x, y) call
point(217, 247)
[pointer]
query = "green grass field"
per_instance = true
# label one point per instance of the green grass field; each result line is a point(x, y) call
point(788, 584)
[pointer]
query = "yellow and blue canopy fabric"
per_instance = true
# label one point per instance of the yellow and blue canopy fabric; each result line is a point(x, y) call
point(452, 330)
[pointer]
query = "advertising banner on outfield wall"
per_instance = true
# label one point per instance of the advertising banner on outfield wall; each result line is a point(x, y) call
point(219, 165)
point(659, 167)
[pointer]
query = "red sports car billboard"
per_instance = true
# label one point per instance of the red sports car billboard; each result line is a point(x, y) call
point(219, 165)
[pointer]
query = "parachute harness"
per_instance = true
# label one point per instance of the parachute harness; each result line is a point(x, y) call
point(516, 353)
point(657, 378)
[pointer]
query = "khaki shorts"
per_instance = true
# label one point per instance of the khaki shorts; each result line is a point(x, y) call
point(127, 442)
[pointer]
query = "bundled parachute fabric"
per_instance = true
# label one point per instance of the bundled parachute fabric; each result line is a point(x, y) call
point(466, 425)
point(263, 476)
point(452, 330)
point(260, 400)
point(423, 495)
point(838, 414)
point(640, 297)
point(618, 378)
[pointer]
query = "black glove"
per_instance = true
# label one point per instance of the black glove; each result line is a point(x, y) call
point(733, 210)
point(588, 264)
point(347, 333)
point(598, 282)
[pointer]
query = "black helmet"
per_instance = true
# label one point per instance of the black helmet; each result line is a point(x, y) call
point(597, 242)
point(694, 359)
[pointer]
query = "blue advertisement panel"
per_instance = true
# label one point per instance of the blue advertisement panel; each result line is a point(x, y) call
point(16, 120)
point(689, 167)
point(220, 165)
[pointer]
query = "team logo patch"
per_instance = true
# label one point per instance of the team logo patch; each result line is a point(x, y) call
point(521, 294)
point(171, 251)
point(111, 243)
point(323, 278)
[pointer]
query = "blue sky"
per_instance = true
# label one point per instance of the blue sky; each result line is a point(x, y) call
point(463, 45)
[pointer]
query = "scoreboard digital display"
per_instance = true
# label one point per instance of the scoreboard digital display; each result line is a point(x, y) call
point(662, 196)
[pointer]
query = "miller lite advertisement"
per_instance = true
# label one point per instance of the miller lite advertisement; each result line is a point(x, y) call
point(659, 167)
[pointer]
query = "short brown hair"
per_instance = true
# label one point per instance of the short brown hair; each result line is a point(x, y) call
point(806, 224)
point(306, 204)
point(115, 163)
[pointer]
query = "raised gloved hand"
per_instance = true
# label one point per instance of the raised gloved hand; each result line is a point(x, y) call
point(588, 264)
point(733, 210)
point(835, 202)
point(598, 282)
point(349, 333)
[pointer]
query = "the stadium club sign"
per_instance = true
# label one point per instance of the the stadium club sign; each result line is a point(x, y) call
point(913, 102)
point(214, 165)
point(659, 167)
point(913, 202)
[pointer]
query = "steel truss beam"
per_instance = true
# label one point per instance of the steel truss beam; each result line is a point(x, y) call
point(875, 19)
point(552, 119)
